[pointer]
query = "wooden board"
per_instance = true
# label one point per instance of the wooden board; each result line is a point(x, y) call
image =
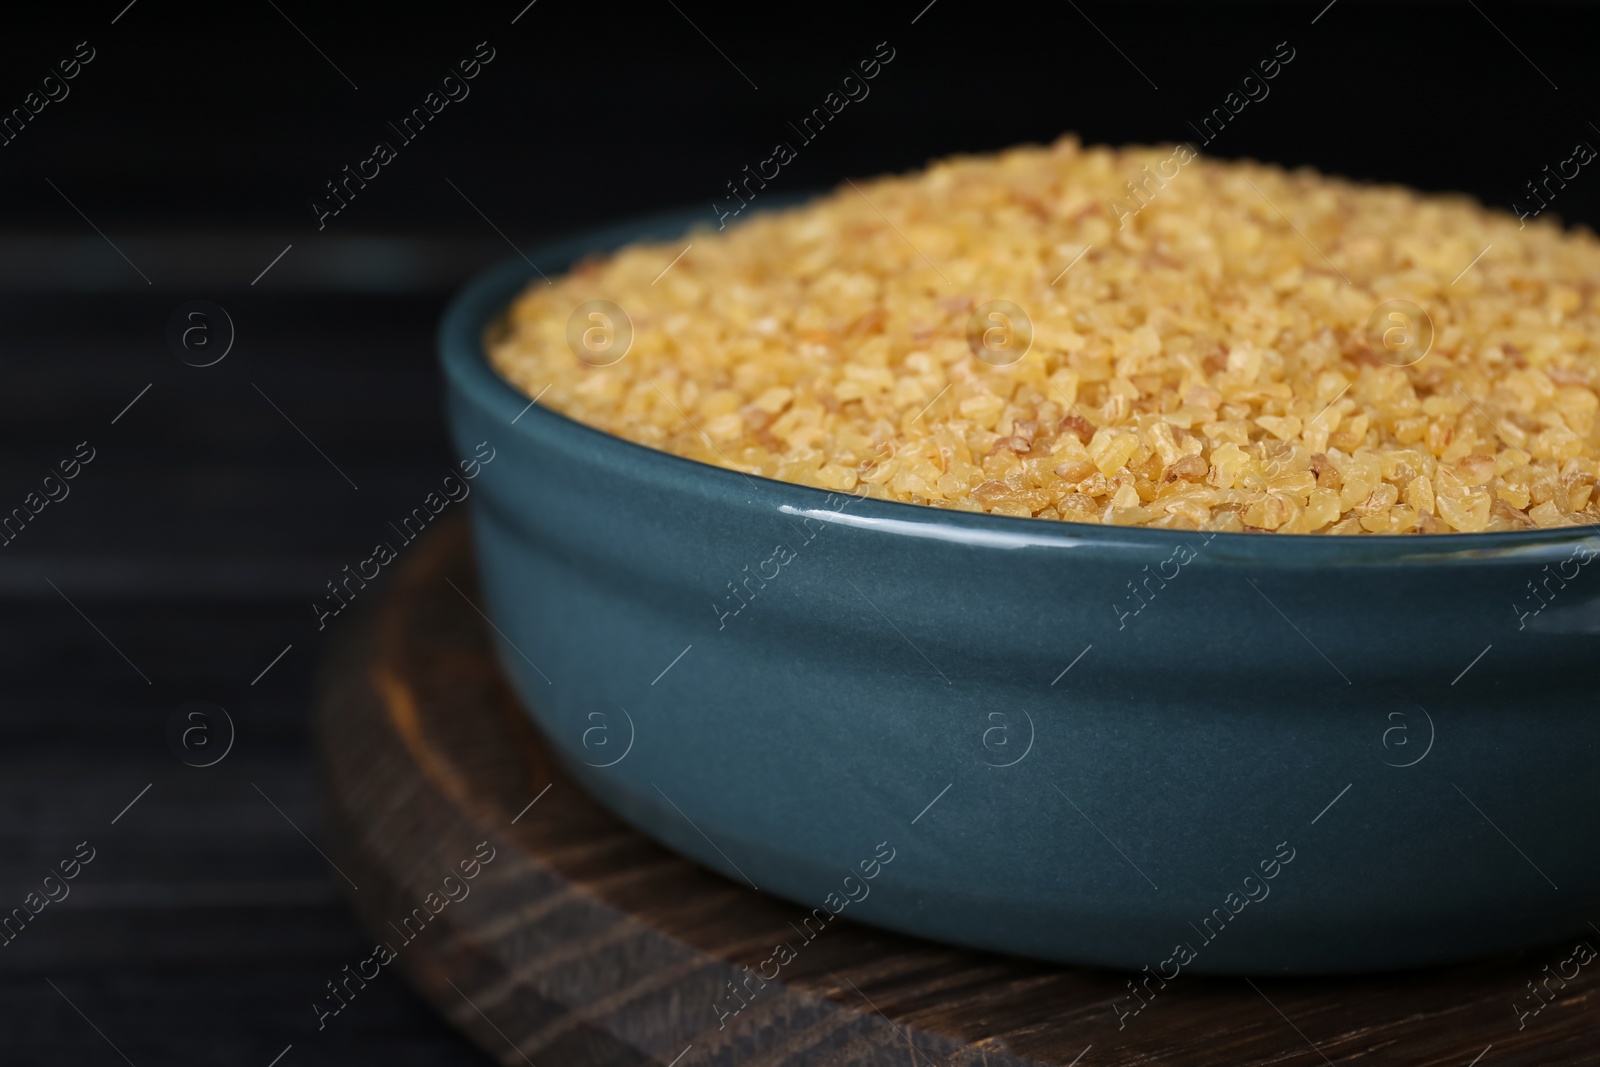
point(583, 942)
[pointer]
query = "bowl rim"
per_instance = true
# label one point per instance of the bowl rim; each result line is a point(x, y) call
point(485, 297)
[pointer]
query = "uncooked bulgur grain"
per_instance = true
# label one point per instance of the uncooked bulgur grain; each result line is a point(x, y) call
point(1205, 364)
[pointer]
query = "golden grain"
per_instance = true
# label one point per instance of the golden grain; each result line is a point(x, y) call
point(1202, 368)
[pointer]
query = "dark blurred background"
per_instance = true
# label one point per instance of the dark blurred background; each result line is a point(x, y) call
point(182, 164)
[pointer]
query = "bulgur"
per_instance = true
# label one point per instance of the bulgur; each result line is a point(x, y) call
point(1205, 362)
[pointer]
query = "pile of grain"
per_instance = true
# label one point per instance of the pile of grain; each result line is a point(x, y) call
point(1206, 364)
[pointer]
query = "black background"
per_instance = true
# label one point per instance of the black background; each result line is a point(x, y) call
point(190, 549)
point(195, 117)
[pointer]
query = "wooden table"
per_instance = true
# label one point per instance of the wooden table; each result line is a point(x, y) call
point(581, 941)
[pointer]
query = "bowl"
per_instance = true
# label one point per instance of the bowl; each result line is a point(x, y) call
point(1138, 748)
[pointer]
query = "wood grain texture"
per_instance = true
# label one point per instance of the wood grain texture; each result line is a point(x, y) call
point(584, 942)
point(194, 542)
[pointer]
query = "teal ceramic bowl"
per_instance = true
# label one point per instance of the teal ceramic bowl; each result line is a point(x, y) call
point(1127, 747)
